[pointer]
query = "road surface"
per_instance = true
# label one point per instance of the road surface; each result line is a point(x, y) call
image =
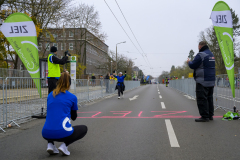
point(155, 123)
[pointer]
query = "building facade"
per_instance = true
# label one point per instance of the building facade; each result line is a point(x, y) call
point(90, 50)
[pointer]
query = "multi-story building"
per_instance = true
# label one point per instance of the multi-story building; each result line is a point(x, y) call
point(135, 71)
point(90, 50)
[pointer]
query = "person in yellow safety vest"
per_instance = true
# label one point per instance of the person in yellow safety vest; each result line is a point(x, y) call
point(112, 80)
point(54, 69)
point(166, 80)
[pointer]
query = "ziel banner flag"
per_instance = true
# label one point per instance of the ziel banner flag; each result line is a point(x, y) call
point(222, 21)
point(20, 31)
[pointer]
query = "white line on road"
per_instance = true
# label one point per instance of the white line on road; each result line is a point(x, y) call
point(135, 97)
point(171, 134)
point(158, 92)
point(163, 105)
point(160, 96)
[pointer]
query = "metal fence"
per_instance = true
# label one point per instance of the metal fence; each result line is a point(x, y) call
point(19, 98)
point(223, 98)
point(5, 72)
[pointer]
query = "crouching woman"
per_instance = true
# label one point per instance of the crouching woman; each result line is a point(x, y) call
point(61, 107)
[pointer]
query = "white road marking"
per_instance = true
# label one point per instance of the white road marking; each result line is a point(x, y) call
point(160, 96)
point(135, 97)
point(158, 92)
point(163, 105)
point(189, 97)
point(171, 134)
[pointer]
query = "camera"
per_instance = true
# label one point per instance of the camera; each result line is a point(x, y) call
point(67, 53)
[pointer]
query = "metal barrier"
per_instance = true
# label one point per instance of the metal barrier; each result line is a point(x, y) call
point(6, 72)
point(20, 100)
point(222, 91)
point(1, 106)
point(89, 90)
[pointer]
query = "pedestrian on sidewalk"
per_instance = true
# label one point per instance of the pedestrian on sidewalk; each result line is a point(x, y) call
point(61, 107)
point(93, 80)
point(53, 68)
point(167, 81)
point(107, 82)
point(204, 75)
point(112, 82)
point(120, 84)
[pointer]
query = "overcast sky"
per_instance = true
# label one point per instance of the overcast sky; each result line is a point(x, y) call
point(166, 29)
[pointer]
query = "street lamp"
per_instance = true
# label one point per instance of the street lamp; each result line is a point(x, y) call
point(116, 53)
point(111, 66)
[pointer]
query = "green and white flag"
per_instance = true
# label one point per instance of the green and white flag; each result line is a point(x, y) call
point(222, 21)
point(20, 31)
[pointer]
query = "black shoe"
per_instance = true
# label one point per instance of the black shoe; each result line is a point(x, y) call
point(202, 119)
point(211, 118)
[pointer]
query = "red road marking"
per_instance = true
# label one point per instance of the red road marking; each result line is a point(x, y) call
point(146, 117)
point(139, 115)
point(96, 114)
point(162, 114)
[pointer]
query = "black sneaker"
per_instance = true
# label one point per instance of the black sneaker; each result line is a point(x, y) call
point(202, 119)
point(211, 118)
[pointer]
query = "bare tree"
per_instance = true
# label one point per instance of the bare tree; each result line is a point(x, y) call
point(44, 13)
point(85, 16)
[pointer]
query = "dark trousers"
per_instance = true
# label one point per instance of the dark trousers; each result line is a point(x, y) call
point(120, 90)
point(107, 85)
point(52, 84)
point(205, 100)
point(79, 132)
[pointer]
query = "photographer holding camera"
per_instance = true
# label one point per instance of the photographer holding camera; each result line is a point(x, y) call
point(54, 69)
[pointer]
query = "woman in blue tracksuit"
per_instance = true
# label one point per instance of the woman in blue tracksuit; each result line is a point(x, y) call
point(120, 84)
point(61, 107)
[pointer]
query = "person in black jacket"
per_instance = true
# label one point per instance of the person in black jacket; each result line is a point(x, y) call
point(204, 75)
point(93, 80)
point(107, 82)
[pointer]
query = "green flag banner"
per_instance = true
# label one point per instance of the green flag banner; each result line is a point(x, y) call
point(20, 31)
point(222, 21)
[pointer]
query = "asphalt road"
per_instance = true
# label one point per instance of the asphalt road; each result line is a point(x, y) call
point(150, 126)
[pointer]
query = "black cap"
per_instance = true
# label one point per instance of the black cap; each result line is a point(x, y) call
point(53, 49)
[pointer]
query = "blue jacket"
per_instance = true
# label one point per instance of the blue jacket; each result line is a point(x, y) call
point(204, 67)
point(120, 79)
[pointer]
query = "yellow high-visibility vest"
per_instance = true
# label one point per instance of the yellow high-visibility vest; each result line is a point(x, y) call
point(53, 69)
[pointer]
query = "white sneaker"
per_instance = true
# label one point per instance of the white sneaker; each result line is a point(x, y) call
point(119, 97)
point(64, 149)
point(52, 149)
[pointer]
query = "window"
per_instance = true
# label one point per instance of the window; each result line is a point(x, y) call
point(63, 47)
point(55, 35)
point(48, 46)
point(40, 46)
point(56, 45)
point(70, 34)
point(70, 46)
point(63, 34)
point(47, 35)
